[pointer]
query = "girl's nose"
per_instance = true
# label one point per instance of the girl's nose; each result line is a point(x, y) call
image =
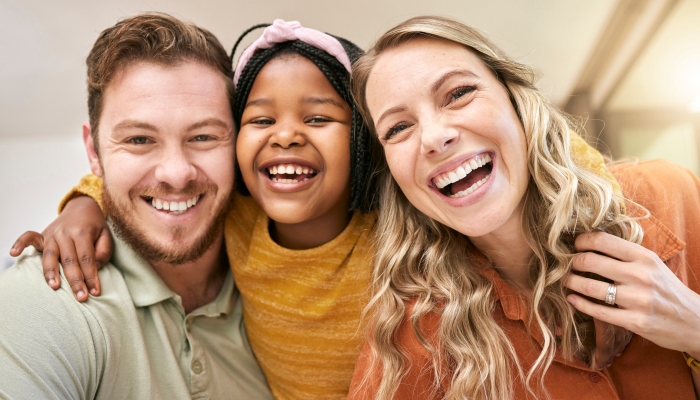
point(288, 135)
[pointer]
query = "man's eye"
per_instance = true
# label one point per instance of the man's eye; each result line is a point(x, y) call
point(138, 140)
point(201, 138)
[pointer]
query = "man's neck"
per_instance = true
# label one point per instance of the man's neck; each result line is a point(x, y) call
point(197, 282)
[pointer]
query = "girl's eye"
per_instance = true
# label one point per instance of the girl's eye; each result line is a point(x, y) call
point(317, 120)
point(262, 121)
point(460, 92)
point(396, 129)
point(138, 140)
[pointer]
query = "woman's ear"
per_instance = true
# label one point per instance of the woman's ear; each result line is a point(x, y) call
point(93, 158)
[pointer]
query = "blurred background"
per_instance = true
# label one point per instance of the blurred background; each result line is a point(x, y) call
point(631, 68)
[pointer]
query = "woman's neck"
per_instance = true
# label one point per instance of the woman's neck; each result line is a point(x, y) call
point(509, 252)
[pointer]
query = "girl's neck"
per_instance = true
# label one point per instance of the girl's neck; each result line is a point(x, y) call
point(312, 233)
point(508, 251)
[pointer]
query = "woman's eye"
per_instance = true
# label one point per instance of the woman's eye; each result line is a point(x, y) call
point(138, 140)
point(460, 92)
point(394, 130)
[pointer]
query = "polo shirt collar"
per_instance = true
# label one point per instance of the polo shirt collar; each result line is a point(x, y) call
point(144, 284)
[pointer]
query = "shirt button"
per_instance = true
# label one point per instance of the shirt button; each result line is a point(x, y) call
point(594, 377)
point(197, 367)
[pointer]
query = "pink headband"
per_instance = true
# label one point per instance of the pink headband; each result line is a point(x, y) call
point(282, 31)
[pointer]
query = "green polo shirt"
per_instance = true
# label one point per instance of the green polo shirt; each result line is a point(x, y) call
point(132, 342)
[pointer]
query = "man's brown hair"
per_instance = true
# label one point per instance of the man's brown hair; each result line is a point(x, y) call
point(152, 37)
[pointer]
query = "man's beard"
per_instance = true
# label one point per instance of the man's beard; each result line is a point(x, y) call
point(122, 217)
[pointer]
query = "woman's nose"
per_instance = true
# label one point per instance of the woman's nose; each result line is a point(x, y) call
point(436, 138)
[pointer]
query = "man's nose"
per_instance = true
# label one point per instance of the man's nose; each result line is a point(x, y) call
point(176, 169)
point(437, 137)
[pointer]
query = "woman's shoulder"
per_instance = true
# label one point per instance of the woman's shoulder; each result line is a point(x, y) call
point(657, 183)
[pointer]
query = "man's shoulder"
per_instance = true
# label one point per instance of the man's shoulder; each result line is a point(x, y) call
point(25, 295)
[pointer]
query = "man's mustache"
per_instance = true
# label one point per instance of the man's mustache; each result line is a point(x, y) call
point(164, 189)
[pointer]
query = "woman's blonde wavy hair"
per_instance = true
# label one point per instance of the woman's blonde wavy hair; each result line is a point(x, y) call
point(421, 259)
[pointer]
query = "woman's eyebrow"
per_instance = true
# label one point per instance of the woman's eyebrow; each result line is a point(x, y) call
point(448, 75)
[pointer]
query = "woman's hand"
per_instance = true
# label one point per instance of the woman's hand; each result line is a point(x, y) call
point(610, 342)
point(80, 238)
point(651, 301)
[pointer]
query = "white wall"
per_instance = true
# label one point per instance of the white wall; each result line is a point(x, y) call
point(35, 173)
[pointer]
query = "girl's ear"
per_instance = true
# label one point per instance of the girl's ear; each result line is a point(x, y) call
point(93, 158)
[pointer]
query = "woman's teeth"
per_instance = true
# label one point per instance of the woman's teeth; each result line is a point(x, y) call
point(470, 188)
point(175, 207)
point(461, 172)
point(290, 173)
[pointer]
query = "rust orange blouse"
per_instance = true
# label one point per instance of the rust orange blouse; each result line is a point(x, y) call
point(644, 370)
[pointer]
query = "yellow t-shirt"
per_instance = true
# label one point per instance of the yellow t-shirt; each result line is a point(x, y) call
point(301, 308)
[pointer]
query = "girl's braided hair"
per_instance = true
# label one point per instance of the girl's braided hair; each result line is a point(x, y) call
point(362, 154)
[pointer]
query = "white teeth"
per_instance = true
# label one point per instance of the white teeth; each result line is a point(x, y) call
point(289, 169)
point(273, 170)
point(470, 189)
point(304, 170)
point(462, 171)
point(298, 170)
point(175, 207)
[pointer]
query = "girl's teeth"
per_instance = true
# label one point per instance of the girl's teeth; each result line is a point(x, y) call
point(470, 189)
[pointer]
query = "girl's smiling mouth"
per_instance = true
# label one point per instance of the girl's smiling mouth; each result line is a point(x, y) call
point(290, 172)
point(466, 178)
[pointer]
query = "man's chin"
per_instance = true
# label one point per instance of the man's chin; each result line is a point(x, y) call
point(179, 246)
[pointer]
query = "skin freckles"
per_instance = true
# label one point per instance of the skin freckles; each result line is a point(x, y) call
point(166, 132)
point(435, 105)
point(294, 116)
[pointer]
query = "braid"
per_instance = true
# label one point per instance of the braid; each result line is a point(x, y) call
point(363, 185)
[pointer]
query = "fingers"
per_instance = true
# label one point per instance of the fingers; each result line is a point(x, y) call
point(28, 238)
point(49, 263)
point(595, 289)
point(599, 264)
point(609, 245)
point(103, 248)
point(611, 341)
point(88, 267)
point(71, 268)
point(601, 312)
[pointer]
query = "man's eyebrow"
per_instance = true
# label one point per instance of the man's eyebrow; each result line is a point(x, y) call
point(209, 122)
point(436, 86)
point(323, 100)
point(133, 124)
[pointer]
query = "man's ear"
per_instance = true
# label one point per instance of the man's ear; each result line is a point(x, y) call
point(90, 149)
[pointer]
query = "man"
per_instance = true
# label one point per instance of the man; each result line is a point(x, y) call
point(168, 323)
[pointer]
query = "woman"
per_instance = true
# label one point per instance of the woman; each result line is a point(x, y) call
point(486, 208)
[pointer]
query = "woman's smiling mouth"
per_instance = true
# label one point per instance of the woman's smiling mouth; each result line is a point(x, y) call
point(466, 178)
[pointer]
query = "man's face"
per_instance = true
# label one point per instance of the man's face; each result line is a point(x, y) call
point(166, 148)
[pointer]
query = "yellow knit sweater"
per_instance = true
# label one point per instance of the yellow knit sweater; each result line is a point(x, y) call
point(301, 308)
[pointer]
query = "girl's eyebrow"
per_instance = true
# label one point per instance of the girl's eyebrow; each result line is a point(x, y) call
point(261, 101)
point(323, 100)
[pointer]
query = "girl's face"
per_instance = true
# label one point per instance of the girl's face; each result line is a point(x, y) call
point(452, 139)
point(293, 147)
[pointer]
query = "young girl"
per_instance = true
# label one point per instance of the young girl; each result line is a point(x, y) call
point(300, 248)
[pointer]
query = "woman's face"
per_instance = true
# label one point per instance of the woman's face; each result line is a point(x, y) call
point(452, 139)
